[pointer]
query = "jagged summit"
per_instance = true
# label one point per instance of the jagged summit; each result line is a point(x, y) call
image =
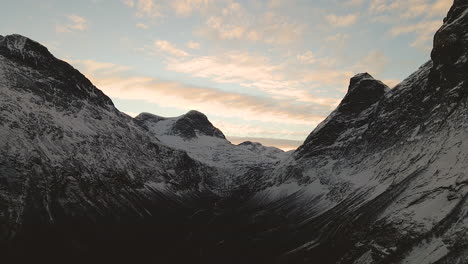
point(248, 143)
point(144, 119)
point(24, 46)
point(193, 122)
point(196, 114)
point(450, 52)
point(195, 134)
point(52, 79)
point(360, 76)
point(363, 91)
point(188, 126)
point(398, 164)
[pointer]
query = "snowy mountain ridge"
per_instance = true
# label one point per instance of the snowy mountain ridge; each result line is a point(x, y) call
point(194, 133)
point(393, 166)
point(381, 180)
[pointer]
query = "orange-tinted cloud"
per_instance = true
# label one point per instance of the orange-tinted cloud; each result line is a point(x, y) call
point(209, 100)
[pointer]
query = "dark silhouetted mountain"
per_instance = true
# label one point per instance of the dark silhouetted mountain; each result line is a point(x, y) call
point(386, 169)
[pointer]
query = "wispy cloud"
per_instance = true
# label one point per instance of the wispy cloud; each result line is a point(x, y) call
point(341, 21)
point(283, 144)
point(209, 100)
point(374, 61)
point(240, 130)
point(142, 26)
point(308, 57)
point(166, 46)
point(236, 23)
point(129, 3)
point(75, 23)
point(423, 32)
point(193, 45)
point(401, 14)
point(353, 2)
point(254, 71)
point(410, 8)
point(145, 8)
point(100, 68)
point(186, 7)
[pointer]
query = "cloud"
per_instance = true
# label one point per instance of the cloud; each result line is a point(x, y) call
point(75, 23)
point(226, 31)
point(239, 130)
point(339, 37)
point(374, 61)
point(129, 3)
point(142, 26)
point(418, 17)
point(341, 21)
point(234, 22)
point(283, 144)
point(308, 57)
point(440, 7)
point(407, 9)
point(329, 78)
point(186, 7)
point(166, 46)
point(353, 3)
point(277, 3)
point(193, 45)
point(423, 31)
point(145, 8)
point(208, 100)
point(230, 67)
point(247, 70)
point(102, 68)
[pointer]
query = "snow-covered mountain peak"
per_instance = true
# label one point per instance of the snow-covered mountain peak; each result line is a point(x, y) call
point(21, 45)
point(188, 126)
point(197, 122)
point(145, 119)
point(45, 76)
point(257, 147)
point(195, 134)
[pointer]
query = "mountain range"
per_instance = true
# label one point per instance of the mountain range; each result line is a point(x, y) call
point(383, 179)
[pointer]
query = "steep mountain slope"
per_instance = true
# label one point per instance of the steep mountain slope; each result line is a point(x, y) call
point(382, 180)
point(387, 170)
point(237, 165)
point(65, 149)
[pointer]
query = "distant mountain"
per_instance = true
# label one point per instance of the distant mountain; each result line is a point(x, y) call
point(188, 126)
point(237, 165)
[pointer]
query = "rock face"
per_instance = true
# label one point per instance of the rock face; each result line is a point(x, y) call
point(363, 92)
point(388, 177)
point(66, 150)
point(382, 180)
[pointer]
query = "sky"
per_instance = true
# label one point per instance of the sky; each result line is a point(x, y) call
point(261, 70)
